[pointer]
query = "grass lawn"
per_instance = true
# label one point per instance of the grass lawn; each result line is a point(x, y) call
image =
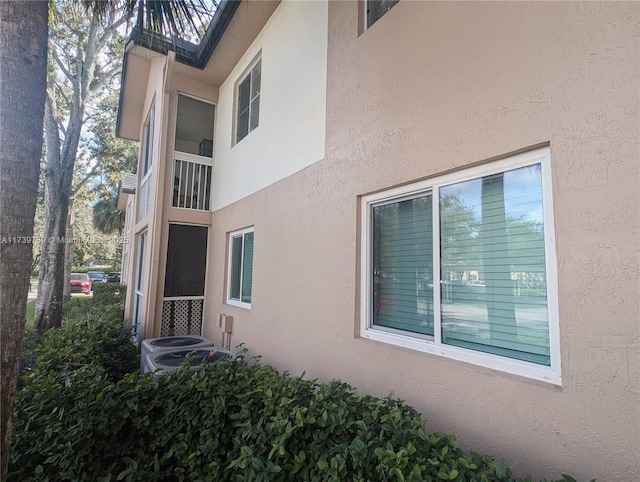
point(31, 307)
point(31, 310)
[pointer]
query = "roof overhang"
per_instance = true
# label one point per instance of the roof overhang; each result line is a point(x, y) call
point(232, 30)
point(126, 187)
point(135, 73)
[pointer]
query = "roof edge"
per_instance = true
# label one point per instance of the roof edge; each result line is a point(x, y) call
point(186, 52)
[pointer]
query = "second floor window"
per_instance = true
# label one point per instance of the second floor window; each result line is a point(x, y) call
point(146, 146)
point(146, 161)
point(248, 101)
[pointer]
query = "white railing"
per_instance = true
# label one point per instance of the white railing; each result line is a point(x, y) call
point(191, 182)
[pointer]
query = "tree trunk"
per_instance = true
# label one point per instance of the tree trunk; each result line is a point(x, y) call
point(23, 61)
point(69, 248)
point(497, 272)
point(58, 175)
point(61, 157)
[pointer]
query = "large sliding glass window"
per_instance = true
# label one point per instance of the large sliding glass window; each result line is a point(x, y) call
point(485, 236)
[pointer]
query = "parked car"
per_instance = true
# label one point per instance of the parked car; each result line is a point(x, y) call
point(113, 277)
point(80, 283)
point(97, 277)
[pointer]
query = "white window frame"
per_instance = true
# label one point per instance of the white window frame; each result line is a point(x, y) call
point(248, 72)
point(140, 285)
point(434, 345)
point(146, 161)
point(232, 235)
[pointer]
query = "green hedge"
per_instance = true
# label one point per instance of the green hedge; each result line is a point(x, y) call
point(92, 334)
point(81, 269)
point(110, 296)
point(228, 421)
point(85, 414)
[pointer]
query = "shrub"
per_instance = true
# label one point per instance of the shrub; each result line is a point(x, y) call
point(109, 295)
point(27, 352)
point(93, 334)
point(227, 421)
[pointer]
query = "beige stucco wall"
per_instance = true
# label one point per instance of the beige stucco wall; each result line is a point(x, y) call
point(435, 86)
point(291, 131)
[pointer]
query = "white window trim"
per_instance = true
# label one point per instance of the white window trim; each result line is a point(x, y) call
point(236, 92)
point(146, 152)
point(433, 345)
point(229, 300)
point(147, 139)
point(139, 282)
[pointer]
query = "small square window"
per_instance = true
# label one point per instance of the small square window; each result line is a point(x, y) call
point(240, 275)
point(248, 101)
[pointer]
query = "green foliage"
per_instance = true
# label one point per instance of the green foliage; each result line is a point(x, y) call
point(111, 296)
point(107, 218)
point(86, 269)
point(227, 421)
point(27, 353)
point(93, 335)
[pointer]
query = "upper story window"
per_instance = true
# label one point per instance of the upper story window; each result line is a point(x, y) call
point(146, 161)
point(240, 275)
point(377, 8)
point(485, 235)
point(146, 146)
point(248, 100)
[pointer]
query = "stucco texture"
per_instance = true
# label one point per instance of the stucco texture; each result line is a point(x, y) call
point(436, 86)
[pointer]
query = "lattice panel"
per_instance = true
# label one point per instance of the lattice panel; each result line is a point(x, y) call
point(181, 317)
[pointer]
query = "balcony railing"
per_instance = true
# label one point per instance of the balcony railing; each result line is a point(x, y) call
point(191, 183)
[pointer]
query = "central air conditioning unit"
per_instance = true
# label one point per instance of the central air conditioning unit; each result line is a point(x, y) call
point(163, 362)
point(170, 343)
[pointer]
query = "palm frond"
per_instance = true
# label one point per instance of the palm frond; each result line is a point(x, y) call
point(165, 17)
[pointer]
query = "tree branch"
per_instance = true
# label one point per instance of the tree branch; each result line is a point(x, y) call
point(84, 180)
point(105, 79)
point(62, 67)
point(109, 30)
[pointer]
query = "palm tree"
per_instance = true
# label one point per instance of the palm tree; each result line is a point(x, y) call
point(23, 56)
point(106, 217)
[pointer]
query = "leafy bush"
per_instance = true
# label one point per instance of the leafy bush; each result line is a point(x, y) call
point(27, 352)
point(227, 421)
point(86, 269)
point(109, 295)
point(93, 334)
point(105, 343)
point(73, 345)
